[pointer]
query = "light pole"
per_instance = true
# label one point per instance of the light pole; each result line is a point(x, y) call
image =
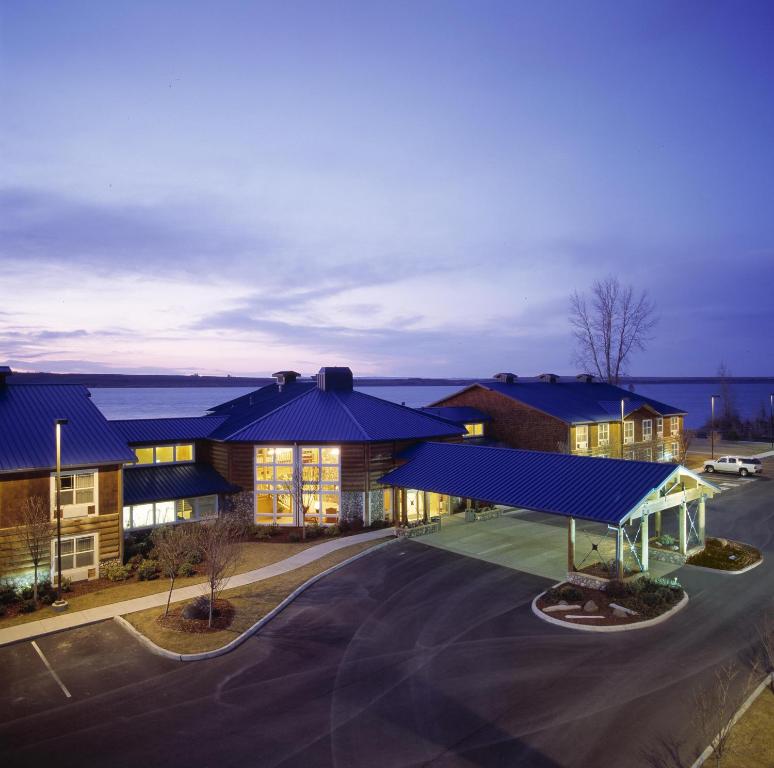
point(712, 423)
point(623, 402)
point(59, 604)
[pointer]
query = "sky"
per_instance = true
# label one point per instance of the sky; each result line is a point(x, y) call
point(407, 188)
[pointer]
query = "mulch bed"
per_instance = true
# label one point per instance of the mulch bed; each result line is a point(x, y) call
point(175, 621)
point(716, 554)
point(603, 602)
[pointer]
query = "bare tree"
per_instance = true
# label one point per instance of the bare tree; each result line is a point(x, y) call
point(218, 541)
point(172, 544)
point(36, 532)
point(610, 327)
point(684, 440)
point(765, 631)
point(715, 707)
point(303, 490)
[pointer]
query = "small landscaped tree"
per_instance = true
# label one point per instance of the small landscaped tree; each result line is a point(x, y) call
point(218, 542)
point(36, 532)
point(303, 491)
point(172, 547)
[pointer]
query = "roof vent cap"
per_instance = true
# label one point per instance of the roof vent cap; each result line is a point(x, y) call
point(549, 378)
point(285, 377)
point(505, 378)
point(4, 372)
point(586, 378)
point(332, 378)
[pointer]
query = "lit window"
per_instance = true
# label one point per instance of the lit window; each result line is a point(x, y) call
point(603, 434)
point(659, 427)
point(165, 454)
point(77, 493)
point(581, 437)
point(674, 425)
point(184, 452)
point(647, 430)
point(474, 430)
point(628, 432)
point(144, 455)
point(169, 512)
point(77, 552)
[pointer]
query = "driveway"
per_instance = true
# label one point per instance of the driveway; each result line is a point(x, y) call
point(417, 656)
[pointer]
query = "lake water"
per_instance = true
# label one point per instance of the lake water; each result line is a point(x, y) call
point(150, 402)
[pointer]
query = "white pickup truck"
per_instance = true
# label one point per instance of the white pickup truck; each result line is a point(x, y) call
point(738, 465)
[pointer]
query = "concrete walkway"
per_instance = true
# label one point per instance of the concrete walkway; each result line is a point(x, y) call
point(78, 618)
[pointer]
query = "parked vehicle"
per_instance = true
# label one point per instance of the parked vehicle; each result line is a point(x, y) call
point(737, 465)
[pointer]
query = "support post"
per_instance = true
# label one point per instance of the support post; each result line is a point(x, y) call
point(425, 507)
point(658, 524)
point(683, 528)
point(570, 544)
point(403, 506)
point(702, 521)
point(644, 544)
point(619, 553)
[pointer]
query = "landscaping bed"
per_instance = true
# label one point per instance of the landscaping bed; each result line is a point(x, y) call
point(725, 555)
point(176, 621)
point(619, 604)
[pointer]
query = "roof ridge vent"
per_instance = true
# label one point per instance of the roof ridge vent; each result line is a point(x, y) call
point(549, 378)
point(505, 378)
point(586, 378)
point(284, 377)
point(334, 378)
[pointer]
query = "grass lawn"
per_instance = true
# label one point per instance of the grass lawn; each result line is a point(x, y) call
point(752, 740)
point(254, 554)
point(251, 603)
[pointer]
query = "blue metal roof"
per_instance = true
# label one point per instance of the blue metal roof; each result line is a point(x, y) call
point(27, 414)
point(603, 490)
point(461, 414)
point(143, 485)
point(264, 399)
point(577, 402)
point(136, 431)
point(332, 416)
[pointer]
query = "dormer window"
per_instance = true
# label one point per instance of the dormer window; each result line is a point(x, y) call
point(164, 454)
point(474, 429)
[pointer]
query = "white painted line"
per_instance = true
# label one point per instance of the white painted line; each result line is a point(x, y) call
point(51, 670)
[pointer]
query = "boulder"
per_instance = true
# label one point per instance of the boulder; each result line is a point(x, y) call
point(590, 607)
point(619, 613)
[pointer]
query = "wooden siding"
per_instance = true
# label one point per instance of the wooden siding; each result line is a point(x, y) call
point(513, 423)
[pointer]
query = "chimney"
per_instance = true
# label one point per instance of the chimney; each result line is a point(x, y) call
point(586, 378)
point(331, 378)
point(5, 371)
point(285, 377)
point(505, 378)
point(549, 378)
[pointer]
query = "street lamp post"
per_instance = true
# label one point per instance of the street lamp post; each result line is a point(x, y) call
point(59, 604)
point(623, 402)
point(712, 423)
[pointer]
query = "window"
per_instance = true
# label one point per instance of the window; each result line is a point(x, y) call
point(659, 427)
point(164, 454)
point(647, 430)
point(603, 434)
point(78, 494)
point(77, 552)
point(581, 437)
point(648, 454)
point(674, 425)
point(474, 430)
point(628, 432)
point(314, 472)
point(167, 512)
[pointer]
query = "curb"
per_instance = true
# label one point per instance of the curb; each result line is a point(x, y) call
point(237, 641)
point(724, 572)
point(768, 680)
point(621, 628)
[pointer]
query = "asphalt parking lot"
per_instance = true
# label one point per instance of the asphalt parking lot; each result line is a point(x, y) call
point(412, 656)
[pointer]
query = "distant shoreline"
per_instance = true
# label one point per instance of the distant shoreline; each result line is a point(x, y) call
point(118, 380)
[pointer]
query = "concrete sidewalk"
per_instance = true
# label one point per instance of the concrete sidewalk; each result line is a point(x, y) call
point(91, 615)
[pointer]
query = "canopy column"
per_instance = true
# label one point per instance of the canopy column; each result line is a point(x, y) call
point(570, 544)
point(658, 524)
point(683, 528)
point(644, 536)
point(702, 522)
point(394, 505)
point(403, 506)
point(619, 552)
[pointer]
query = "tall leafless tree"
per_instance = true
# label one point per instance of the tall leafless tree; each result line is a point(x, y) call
point(609, 327)
point(172, 545)
point(218, 541)
point(36, 532)
point(303, 491)
point(765, 630)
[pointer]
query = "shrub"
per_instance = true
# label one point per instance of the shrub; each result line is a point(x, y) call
point(137, 543)
point(379, 524)
point(618, 589)
point(8, 594)
point(570, 593)
point(356, 524)
point(67, 584)
point(28, 606)
point(294, 537)
point(651, 599)
point(344, 525)
point(331, 530)
point(314, 531)
point(200, 609)
point(113, 570)
point(194, 557)
point(666, 540)
point(148, 570)
point(186, 569)
point(26, 593)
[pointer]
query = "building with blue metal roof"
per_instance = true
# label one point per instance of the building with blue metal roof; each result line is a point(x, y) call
point(575, 415)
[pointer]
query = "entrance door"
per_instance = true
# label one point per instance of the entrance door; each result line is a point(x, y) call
point(415, 505)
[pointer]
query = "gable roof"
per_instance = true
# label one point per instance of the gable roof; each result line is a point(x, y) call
point(576, 402)
point(457, 414)
point(27, 414)
point(166, 430)
point(602, 490)
point(310, 414)
point(143, 485)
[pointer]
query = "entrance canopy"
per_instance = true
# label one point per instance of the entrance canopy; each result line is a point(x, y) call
point(610, 491)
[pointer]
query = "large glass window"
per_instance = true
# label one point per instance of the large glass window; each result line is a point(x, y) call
point(166, 512)
point(313, 477)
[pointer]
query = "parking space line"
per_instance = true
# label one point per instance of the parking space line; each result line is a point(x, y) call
point(51, 670)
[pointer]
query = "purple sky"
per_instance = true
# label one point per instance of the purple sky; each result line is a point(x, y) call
point(409, 188)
